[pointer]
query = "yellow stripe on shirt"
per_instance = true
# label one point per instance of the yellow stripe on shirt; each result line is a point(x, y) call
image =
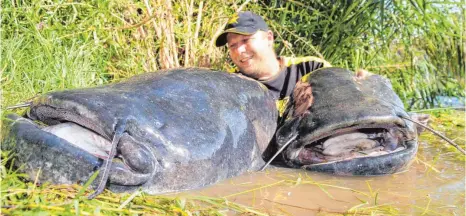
point(296, 60)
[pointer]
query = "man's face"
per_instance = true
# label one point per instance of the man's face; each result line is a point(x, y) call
point(252, 54)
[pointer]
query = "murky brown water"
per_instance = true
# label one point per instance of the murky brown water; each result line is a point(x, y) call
point(434, 184)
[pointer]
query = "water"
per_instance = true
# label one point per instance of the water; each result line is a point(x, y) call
point(445, 101)
point(434, 184)
point(438, 102)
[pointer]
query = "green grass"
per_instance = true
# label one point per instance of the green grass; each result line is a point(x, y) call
point(36, 59)
point(20, 197)
point(54, 45)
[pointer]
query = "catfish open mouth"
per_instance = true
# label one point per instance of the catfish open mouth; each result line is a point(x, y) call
point(374, 145)
point(72, 124)
point(81, 137)
point(68, 151)
point(48, 154)
point(65, 133)
point(74, 142)
point(350, 144)
point(356, 150)
point(82, 142)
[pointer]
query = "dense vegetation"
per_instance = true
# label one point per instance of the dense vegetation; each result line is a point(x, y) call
point(419, 45)
point(50, 45)
point(56, 44)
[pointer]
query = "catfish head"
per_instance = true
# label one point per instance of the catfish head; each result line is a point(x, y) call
point(347, 124)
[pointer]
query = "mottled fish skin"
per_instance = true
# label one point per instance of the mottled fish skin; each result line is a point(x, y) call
point(343, 102)
point(184, 129)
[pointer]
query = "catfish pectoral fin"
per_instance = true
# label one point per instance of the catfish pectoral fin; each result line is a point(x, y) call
point(120, 174)
point(136, 155)
point(138, 164)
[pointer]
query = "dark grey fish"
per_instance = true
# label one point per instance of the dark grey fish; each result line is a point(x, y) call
point(345, 124)
point(180, 129)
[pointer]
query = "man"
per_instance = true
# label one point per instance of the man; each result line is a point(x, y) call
point(250, 45)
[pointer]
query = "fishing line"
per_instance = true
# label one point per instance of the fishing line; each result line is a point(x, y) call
point(21, 105)
point(438, 134)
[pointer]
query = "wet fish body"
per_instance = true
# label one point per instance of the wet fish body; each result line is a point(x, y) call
point(181, 129)
point(188, 128)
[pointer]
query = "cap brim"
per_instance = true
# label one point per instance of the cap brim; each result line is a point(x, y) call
point(222, 38)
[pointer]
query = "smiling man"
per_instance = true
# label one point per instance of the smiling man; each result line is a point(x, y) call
point(251, 47)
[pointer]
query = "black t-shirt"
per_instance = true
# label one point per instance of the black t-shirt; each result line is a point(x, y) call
point(293, 69)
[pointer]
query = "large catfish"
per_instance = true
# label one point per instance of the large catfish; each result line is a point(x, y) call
point(346, 124)
point(175, 130)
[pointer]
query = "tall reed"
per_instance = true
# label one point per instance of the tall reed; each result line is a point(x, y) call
point(50, 45)
point(418, 44)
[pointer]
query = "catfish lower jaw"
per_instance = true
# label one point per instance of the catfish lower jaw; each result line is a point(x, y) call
point(371, 142)
point(126, 171)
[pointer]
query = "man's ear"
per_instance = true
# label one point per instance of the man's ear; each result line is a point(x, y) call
point(270, 37)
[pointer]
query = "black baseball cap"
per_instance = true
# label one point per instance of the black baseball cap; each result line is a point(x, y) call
point(245, 23)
